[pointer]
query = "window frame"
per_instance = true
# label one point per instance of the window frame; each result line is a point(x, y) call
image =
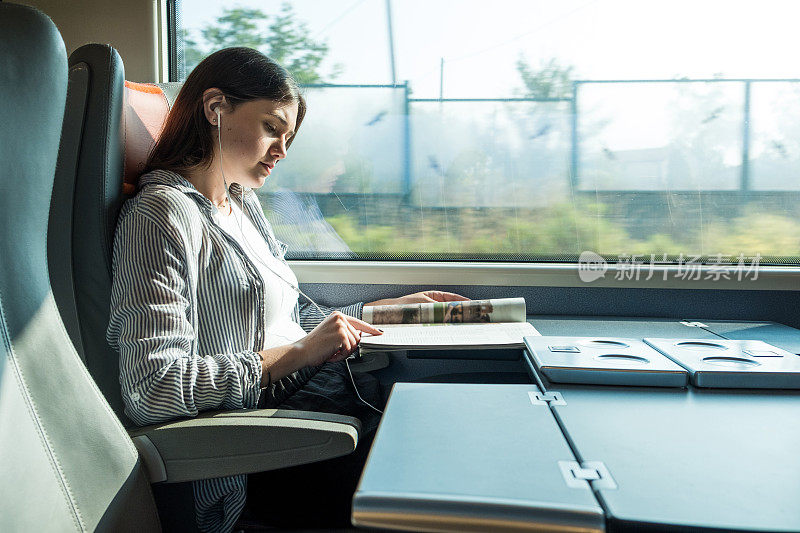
point(172, 8)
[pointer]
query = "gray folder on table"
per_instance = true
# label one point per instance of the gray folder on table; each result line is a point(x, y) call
point(741, 364)
point(603, 361)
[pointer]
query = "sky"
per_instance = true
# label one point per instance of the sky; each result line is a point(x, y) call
point(481, 41)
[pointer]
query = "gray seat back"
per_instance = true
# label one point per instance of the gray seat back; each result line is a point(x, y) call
point(67, 462)
point(88, 194)
point(110, 125)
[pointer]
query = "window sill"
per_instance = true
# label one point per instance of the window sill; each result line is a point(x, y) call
point(545, 275)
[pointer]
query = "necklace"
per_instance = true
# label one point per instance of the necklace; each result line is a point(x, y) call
point(223, 207)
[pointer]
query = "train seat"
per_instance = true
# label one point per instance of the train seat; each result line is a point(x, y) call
point(67, 461)
point(109, 128)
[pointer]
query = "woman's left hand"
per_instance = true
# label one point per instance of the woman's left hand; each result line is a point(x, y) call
point(422, 297)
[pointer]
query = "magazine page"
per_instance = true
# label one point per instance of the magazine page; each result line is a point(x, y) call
point(449, 336)
point(470, 311)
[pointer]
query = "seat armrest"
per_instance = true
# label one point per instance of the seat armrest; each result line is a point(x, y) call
point(225, 443)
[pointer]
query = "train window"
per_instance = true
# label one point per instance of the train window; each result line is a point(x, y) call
point(528, 130)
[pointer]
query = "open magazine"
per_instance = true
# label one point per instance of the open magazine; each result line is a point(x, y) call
point(472, 324)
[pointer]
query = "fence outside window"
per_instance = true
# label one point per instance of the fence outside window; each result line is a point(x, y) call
point(702, 166)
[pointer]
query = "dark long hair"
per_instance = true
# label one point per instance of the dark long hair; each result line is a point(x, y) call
point(242, 74)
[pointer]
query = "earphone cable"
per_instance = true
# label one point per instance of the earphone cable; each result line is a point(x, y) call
point(239, 223)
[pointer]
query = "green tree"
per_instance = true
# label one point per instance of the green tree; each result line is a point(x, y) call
point(236, 27)
point(192, 55)
point(289, 44)
point(282, 37)
point(550, 80)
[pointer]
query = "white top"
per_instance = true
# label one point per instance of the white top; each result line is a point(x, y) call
point(281, 298)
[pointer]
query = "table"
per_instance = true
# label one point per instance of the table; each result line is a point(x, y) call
point(557, 457)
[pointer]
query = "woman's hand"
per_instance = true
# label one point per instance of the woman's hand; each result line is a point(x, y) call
point(422, 297)
point(334, 339)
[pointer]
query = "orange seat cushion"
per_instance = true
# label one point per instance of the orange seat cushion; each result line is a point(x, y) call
point(145, 112)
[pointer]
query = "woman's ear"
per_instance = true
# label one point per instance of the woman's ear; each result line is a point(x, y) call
point(213, 101)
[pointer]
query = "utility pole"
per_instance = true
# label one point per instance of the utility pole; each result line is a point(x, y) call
point(391, 40)
point(441, 78)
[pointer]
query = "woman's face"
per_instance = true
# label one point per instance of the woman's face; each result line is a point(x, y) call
point(254, 137)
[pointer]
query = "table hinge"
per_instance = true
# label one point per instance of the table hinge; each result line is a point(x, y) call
point(546, 398)
point(582, 475)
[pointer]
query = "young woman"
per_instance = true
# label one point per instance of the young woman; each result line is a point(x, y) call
point(205, 310)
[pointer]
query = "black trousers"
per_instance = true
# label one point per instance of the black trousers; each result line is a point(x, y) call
point(319, 495)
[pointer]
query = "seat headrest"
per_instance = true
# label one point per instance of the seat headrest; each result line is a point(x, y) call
point(145, 110)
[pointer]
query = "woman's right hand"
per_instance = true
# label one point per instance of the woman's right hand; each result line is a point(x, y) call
point(334, 339)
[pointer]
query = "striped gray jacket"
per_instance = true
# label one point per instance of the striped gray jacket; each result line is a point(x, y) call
point(187, 318)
